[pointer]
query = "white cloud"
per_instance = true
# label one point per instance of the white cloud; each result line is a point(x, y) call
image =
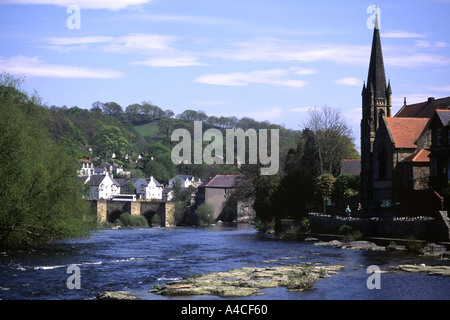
point(160, 48)
point(66, 41)
point(349, 81)
point(168, 62)
point(300, 109)
point(276, 50)
point(275, 113)
point(401, 34)
point(430, 44)
point(412, 60)
point(273, 77)
point(84, 4)
point(35, 67)
point(303, 71)
point(134, 42)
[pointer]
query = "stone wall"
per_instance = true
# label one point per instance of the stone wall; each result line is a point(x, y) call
point(421, 228)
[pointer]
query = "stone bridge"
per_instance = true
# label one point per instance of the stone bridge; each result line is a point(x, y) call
point(108, 210)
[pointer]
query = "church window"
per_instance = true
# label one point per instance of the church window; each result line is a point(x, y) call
point(439, 136)
point(433, 167)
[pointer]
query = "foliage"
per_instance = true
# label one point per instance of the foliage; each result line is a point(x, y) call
point(205, 213)
point(265, 188)
point(41, 198)
point(159, 163)
point(349, 233)
point(126, 219)
point(333, 140)
point(324, 185)
point(111, 140)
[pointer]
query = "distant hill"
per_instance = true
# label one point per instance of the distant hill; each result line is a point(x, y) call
point(141, 141)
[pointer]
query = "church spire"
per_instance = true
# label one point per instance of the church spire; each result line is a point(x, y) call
point(376, 76)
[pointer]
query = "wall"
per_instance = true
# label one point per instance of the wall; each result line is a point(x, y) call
point(216, 197)
point(421, 228)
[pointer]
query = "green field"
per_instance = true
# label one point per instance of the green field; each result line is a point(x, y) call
point(149, 129)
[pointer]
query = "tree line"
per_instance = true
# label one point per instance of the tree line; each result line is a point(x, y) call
point(310, 175)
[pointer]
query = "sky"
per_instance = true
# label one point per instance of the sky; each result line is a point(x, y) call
point(263, 59)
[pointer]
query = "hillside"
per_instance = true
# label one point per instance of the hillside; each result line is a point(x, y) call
point(139, 139)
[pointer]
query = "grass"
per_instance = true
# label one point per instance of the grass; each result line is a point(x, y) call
point(149, 129)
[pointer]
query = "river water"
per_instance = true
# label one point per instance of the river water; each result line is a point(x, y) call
point(135, 259)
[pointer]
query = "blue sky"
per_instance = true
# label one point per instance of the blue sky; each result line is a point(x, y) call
point(264, 59)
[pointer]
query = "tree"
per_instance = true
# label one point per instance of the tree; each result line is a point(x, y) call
point(165, 126)
point(159, 162)
point(40, 196)
point(110, 139)
point(332, 137)
point(324, 186)
point(205, 213)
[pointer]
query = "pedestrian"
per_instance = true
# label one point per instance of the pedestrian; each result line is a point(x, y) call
point(360, 209)
point(348, 211)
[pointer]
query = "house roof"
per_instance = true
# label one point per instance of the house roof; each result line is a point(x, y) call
point(224, 181)
point(351, 166)
point(183, 177)
point(156, 182)
point(419, 156)
point(406, 131)
point(120, 182)
point(95, 180)
point(424, 109)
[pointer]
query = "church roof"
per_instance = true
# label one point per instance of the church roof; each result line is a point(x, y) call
point(351, 166)
point(444, 116)
point(376, 79)
point(424, 109)
point(419, 156)
point(406, 131)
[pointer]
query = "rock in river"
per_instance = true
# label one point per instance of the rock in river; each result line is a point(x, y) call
point(244, 282)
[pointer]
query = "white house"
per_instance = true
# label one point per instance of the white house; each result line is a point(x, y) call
point(148, 188)
point(86, 168)
point(186, 181)
point(102, 186)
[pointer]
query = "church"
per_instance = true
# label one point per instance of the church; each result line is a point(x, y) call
point(395, 150)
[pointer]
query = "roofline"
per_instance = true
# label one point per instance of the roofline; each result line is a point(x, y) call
point(222, 175)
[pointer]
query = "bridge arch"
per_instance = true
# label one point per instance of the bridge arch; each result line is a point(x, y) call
point(114, 215)
point(149, 214)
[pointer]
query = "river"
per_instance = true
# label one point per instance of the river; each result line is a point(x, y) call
point(135, 259)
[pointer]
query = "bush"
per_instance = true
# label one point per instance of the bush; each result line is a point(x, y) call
point(349, 233)
point(205, 213)
point(128, 220)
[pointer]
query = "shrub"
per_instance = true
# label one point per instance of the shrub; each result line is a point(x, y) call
point(128, 220)
point(205, 213)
